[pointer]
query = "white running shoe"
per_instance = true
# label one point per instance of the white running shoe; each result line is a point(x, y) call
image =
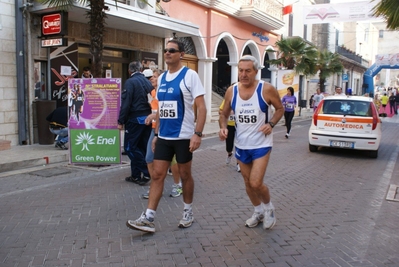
point(254, 220)
point(270, 219)
point(187, 219)
point(142, 224)
point(238, 168)
point(228, 159)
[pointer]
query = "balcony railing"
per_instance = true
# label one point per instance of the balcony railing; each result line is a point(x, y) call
point(350, 54)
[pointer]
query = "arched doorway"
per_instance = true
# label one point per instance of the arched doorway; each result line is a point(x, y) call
point(190, 58)
point(221, 75)
point(266, 74)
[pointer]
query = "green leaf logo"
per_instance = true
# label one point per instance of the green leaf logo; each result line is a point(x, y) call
point(84, 139)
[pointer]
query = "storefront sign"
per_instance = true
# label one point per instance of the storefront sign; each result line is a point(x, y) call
point(59, 58)
point(54, 42)
point(54, 24)
point(261, 37)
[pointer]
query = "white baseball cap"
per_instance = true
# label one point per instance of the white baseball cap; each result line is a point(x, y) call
point(148, 73)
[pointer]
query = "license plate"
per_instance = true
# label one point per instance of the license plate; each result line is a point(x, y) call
point(342, 144)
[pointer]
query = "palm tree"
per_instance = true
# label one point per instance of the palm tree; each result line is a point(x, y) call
point(294, 53)
point(328, 63)
point(389, 9)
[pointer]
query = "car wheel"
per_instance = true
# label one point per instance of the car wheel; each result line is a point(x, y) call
point(312, 148)
point(373, 153)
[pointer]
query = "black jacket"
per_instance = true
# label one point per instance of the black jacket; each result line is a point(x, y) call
point(59, 117)
point(134, 98)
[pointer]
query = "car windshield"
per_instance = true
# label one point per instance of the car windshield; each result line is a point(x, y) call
point(347, 107)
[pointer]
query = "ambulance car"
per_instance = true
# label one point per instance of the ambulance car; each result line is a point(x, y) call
point(347, 122)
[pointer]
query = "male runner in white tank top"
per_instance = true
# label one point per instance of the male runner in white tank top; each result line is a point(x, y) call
point(251, 99)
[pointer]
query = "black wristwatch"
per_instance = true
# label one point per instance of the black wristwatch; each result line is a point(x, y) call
point(272, 124)
point(198, 133)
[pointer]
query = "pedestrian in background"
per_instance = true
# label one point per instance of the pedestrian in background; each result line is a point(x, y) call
point(397, 102)
point(384, 102)
point(289, 103)
point(176, 133)
point(392, 103)
point(58, 119)
point(251, 101)
point(231, 126)
point(87, 73)
point(133, 112)
point(338, 91)
point(317, 99)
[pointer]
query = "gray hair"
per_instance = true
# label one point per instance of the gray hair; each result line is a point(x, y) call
point(135, 66)
point(250, 58)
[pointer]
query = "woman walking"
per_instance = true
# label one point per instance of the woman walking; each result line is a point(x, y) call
point(289, 103)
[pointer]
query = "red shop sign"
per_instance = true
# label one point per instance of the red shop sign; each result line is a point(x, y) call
point(51, 24)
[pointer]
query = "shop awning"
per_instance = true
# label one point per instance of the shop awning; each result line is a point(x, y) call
point(133, 19)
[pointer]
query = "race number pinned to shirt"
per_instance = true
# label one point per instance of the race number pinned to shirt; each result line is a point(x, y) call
point(289, 106)
point(168, 109)
point(249, 116)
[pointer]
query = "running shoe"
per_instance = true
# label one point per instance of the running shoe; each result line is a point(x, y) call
point(177, 190)
point(270, 219)
point(146, 195)
point(61, 145)
point(254, 220)
point(170, 172)
point(228, 159)
point(142, 224)
point(238, 168)
point(187, 219)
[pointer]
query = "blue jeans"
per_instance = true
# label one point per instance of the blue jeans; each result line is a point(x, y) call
point(62, 135)
point(135, 145)
point(149, 158)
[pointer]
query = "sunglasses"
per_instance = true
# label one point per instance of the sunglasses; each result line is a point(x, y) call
point(171, 50)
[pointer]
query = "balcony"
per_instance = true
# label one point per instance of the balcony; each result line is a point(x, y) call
point(265, 14)
point(351, 55)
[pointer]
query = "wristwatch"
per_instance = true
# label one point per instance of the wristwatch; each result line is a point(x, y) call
point(198, 133)
point(271, 124)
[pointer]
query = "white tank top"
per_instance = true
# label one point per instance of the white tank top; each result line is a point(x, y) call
point(250, 115)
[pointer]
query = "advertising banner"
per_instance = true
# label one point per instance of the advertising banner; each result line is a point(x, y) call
point(93, 110)
point(341, 12)
point(285, 79)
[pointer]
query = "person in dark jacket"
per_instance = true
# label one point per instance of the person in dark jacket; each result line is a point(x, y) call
point(134, 110)
point(397, 102)
point(58, 119)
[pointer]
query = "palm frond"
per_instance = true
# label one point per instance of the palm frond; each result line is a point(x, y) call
point(389, 10)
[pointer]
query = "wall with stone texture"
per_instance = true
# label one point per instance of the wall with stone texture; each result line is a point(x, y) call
point(8, 83)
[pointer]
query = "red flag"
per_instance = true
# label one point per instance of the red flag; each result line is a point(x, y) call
point(287, 10)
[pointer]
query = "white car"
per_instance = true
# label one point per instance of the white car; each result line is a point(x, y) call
point(348, 122)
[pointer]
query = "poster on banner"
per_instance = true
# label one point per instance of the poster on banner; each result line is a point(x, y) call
point(93, 110)
point(285, 79)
